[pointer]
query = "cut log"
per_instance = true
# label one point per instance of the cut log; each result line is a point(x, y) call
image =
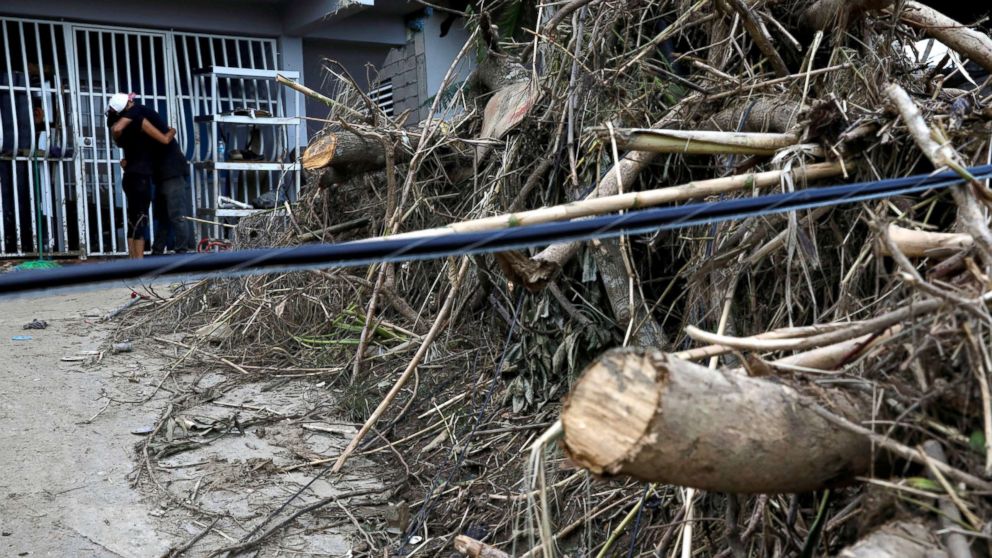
point(897, 539)
point(969, 42)
point(349, 153)
point(472, 548)
point(650, 416)
point(922, 244)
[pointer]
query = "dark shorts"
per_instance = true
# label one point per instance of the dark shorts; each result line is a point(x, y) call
point(138, 189)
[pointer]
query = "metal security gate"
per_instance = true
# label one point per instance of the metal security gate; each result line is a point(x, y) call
point(60, 190)
point(38, 204)
point(107, 62)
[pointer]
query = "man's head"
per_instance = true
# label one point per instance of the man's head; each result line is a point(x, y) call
point(120, 102)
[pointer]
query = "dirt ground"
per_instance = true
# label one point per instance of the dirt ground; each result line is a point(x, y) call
point(72, 414)
point(64, 486)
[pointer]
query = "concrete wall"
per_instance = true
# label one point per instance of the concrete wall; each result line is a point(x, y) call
point(407, 69)
point(238, 18)
point(441, 52)
point(417, 69)
point(353, 56)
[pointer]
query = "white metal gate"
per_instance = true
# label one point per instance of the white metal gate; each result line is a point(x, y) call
point(37, 191)
point(60, 190)
point(107, 62)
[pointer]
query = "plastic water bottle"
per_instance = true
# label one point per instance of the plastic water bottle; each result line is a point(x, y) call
point(221, 150)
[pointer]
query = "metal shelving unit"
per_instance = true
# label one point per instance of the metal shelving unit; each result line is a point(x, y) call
point(284, 135)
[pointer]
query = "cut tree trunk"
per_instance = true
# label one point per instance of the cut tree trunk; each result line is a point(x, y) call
point(897, 539)
point(348, 153)
point(653, 417)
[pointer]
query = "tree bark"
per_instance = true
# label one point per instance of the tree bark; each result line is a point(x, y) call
point(969, 42)
point(472, 548)
point(824, 14)
point(348, 152)
point(761, 115)
point(650, 416)
point(498, 71)
point(627, 304)
point(897, 539)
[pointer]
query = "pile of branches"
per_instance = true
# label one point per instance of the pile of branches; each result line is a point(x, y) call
point(814, 383)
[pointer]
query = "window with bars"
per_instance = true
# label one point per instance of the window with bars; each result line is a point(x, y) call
point(383, 96)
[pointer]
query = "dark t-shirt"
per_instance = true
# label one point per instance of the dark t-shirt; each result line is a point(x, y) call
point(138, 148)
point(168, 161)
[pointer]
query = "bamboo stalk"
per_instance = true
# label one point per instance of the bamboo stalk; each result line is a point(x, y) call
point(856, 329)
point(923, 244)
point(698, 142)
point(970, 214)
point(710, 351)
point(340, 227)
point(299, 87)
point(633, 200)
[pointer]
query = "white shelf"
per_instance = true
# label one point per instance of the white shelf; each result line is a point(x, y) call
point(245, 73)
point(238, 212)
point(246, 165)
point(239, 119)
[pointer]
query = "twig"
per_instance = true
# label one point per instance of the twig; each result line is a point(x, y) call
point(317, 96)
point(902, 450)
point(439, 322)
point(248, 545)
point(189, 544)
point(759, 34)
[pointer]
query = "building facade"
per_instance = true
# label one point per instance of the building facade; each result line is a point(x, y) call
point(60, 191)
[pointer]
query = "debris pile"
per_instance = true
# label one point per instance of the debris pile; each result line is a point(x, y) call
point(810, 383)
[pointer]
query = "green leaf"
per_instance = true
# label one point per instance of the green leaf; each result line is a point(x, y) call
point(813, 538)
point(977, 441)
point(923, 483)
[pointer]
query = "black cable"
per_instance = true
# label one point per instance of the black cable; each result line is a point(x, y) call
point(404, 249)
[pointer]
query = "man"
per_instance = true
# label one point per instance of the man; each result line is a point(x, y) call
point(139, 144)
point(169, 168)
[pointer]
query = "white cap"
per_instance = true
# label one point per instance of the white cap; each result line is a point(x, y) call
point(118, 102)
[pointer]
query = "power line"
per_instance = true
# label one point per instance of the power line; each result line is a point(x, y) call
point(365, 252)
